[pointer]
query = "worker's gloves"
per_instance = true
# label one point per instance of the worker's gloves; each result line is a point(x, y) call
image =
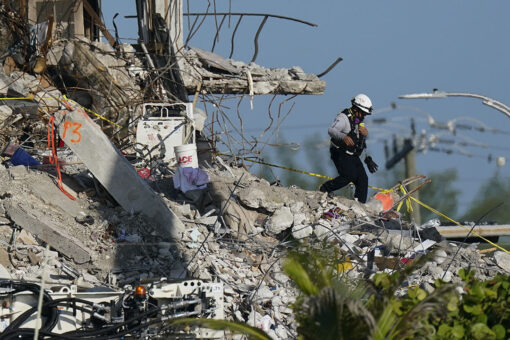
point(371, 165)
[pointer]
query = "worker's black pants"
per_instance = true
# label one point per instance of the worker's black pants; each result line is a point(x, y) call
point(350, 169)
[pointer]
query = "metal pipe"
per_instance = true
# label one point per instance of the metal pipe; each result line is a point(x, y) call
point(181, 304)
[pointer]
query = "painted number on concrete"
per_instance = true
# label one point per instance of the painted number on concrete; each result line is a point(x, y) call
point(75, 131)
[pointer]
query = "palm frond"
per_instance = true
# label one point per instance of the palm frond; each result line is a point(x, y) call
point(295, 270)
point(330, 315)
point(235, 327)
point(385, 324)
point(414, 322)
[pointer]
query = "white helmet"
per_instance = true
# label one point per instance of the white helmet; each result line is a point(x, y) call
point(363, 103)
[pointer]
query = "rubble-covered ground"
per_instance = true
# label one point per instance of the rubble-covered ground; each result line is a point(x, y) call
point(237, 231)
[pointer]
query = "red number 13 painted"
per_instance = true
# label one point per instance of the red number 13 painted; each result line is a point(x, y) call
point(76, 127)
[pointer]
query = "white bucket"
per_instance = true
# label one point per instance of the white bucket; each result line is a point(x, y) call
point(186, 155)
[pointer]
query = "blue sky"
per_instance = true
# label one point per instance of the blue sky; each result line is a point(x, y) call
point(389, 48)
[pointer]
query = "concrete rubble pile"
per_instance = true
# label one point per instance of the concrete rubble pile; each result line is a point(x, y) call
point(236, 231)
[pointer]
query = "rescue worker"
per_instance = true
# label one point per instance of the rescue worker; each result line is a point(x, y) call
point(348, 140)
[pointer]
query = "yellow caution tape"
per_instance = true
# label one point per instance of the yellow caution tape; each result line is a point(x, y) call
point(291, 169)
point(277, 166)
point(18, 98)
point(408, 199)
point(92, 112)
point(460, 225)
point(30, 97)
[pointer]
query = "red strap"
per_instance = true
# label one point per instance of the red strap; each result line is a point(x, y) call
point(53, 155)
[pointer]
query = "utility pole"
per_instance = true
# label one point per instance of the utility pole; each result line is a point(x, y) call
point(410, 164)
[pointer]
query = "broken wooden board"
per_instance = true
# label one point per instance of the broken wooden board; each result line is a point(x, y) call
point(479, 230)
point(46, 230)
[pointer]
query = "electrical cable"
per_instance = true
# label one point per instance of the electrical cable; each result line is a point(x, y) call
point(34, 289)
point(16, 331)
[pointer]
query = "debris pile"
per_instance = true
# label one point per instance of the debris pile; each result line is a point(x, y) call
point(237, 231)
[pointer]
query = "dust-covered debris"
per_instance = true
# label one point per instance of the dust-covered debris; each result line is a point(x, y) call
point(124, 249)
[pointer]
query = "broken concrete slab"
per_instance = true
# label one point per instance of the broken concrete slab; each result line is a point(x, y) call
point(26, 238)
point(216, 61)
point(299, 218)
point(397, 242)
point(502, 260)
point(206, 70)
point(44, 186)
point(27, 108)
point(5, 112)
point(281, 220)
point(34, 259)
point(301, 231)
point(239, 219)
point(4, 273)
point(85, 64)
point(48, 231)
point(10, 86)
point(115, 173)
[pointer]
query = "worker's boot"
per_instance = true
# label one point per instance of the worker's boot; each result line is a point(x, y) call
point(322, 188)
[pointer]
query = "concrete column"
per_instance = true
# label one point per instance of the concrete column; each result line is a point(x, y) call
point(32, 12)
point(79, 24)
point(114, 172)
point(171, 11)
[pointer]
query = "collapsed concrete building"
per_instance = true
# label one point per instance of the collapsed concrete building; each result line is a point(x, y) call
point(82, 206)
